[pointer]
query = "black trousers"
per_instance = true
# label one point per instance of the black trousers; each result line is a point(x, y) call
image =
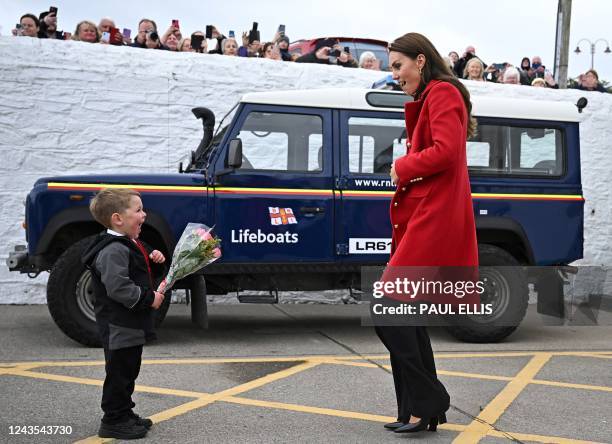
point(122, 368)
point(417, 388)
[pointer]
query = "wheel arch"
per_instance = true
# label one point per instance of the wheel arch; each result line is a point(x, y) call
point(74, 224)
point(507, 234)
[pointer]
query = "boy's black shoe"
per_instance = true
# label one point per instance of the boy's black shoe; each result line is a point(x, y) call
point(123, 430)
point(145, 422)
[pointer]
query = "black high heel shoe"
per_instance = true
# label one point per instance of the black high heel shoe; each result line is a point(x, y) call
point(430, 424)
point(394, 425)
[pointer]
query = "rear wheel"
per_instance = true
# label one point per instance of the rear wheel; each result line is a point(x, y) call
point(70, 297)
point(506, 289)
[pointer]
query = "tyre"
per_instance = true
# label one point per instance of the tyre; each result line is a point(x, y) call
point(70, 297)
point(506, 290)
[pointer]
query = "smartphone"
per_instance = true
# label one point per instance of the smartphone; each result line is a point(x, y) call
point(499, 66)
point(196, 41)
point(18, 26)
point(281, 29)
point(175, 23)
point(232, 35)
point(53, 9)
point(113, 35)
point(105, 37)
point(127, 33)
point(347, 49)
point(209, 29)
point(254, 35)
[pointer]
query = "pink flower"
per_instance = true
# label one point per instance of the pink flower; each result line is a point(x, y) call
point(217, 252)
point(200, 231)
point(206, 236)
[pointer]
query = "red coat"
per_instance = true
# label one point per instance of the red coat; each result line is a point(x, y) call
point(432, 214)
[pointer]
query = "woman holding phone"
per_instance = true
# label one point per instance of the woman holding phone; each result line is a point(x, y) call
point(431, 214)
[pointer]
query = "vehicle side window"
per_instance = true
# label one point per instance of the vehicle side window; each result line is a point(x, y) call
point(515, 150)
point(478, 153)
point(374, 143)
point(282, 142)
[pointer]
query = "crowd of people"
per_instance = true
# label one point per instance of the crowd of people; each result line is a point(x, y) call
point(326, 51)
point(173, 39)
point(530, 72)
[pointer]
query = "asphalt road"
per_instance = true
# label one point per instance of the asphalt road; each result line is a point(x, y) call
point(306, 373)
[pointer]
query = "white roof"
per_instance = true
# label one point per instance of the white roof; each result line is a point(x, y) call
point(355, 98)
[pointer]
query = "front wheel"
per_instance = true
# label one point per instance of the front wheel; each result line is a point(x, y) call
point(506, 289)
point(70, 297)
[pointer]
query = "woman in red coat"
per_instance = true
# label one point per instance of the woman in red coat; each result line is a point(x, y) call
point(431, 214)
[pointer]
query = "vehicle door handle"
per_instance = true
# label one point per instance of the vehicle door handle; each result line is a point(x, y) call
point(312, 211)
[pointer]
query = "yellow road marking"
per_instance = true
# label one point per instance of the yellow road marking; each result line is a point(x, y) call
point(493, 409)
point(308, 409)
point(181, 361)
point(595, 355)
point(99, 382)
point(540, 438)
point(355, 364)
point(439, 371)
point(601, 388)
point(93, 440)
point(319, 358)
point(57, 378)
point(488, 355)
point(498, 405)
point(474, 375)
point(219, 396)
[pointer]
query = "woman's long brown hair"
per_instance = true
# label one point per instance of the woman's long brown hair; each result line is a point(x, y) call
point(435, 68)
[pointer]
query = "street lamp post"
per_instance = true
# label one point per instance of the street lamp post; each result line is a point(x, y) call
point(593, 44)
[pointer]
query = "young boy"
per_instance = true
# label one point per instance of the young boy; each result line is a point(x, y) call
point(125, 298)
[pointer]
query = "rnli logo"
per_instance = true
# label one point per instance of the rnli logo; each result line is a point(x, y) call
point(282, 216)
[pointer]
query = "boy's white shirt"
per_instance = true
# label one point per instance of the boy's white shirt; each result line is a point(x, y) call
point(114, 233)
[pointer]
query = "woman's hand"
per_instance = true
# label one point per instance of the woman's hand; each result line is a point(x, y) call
point(393, 174)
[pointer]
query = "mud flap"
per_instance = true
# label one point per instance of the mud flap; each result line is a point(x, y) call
point(199, 306)
point(549, 287)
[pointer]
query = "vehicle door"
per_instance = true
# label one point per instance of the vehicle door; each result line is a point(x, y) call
point(278, 207)
point(369, 142)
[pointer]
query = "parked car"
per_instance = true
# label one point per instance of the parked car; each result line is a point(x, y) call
point(357, 46)
point(297, 187)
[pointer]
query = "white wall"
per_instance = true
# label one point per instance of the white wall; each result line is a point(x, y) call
point(77, 108)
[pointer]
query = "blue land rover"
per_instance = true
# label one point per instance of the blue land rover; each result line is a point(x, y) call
point(297, 186)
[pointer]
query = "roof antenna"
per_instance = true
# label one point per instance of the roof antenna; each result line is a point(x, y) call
point(582, 103)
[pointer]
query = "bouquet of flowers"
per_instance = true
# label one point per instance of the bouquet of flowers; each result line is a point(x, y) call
point(195, 249)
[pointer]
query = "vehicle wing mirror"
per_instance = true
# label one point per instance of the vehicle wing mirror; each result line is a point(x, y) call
point(234, 154)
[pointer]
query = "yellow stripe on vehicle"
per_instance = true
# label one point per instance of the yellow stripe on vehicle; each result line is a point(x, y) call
point(527, 196)
point(138, 187)
point(278, 191)
point(294, 191)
